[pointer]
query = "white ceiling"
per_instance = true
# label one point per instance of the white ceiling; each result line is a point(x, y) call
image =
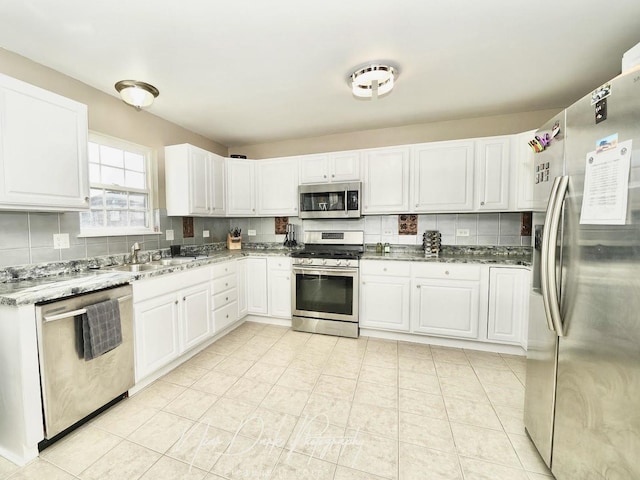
point(242, 72)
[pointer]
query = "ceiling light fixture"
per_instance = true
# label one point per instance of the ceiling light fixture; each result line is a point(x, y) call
point(137, 94)
point(373, 80)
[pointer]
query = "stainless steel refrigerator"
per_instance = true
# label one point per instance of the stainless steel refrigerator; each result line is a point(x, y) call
point(582, 401)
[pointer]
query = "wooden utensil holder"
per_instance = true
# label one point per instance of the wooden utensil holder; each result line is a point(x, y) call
point(234, 243)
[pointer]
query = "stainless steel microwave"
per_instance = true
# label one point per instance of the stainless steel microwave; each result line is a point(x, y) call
point(330, 200)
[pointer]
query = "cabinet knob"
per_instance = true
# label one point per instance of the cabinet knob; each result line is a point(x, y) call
point(226, 284)
point(324, 176)
point(416, 205)
point(481, 203)
point(226, 298)
point(86, 199)
point(227, 315)
point(184, 299)
point(384, 269)
point(176, 302)
point(332, 175)
point(287, 278)
point(446, 272)
point(418, 286)
point(364, 283)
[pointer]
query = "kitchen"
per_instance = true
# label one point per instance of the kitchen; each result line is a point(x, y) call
point(29, 234)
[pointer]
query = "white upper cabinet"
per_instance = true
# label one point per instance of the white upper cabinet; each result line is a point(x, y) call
point(385, 175)
point(277, 182)
point(43, 149)
point(442, 174)
point(492, 173)
point(240, 187)
point(523, 177)
point(194, 181)
point(330, 167)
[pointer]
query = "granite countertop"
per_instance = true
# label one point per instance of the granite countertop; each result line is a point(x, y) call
point(47, 285)
point(52, 287)
point(485, 259)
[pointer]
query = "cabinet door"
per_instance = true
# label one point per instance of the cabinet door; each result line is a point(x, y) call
point(492, 173)
point(280, 293)
point(156, 333)
point(314, 168)
point(524, 177)
point(344, 166)
point(199, 185)
point(442, 176)
point(257, 286)
point(195, 311)
point(216, 184)
point(43, 149)
point(384, 302)
point(241, 276)
point(386, 181)
point(277, 181)
point(447, 308)
point(508, 304)
point(240, 184)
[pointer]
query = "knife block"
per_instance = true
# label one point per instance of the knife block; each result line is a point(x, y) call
point(234, 243)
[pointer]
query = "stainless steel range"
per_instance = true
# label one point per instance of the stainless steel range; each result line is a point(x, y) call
point(325, 286)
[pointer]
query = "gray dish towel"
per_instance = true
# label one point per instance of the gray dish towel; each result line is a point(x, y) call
point(101, 328)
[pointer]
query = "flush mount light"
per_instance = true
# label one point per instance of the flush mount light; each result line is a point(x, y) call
point(372, 81)
point(137, 94)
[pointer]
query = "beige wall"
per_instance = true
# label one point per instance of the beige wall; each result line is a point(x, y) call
point(426, 132)
point(108, 114)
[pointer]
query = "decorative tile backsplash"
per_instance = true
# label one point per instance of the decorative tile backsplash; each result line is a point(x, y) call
point(27, 238)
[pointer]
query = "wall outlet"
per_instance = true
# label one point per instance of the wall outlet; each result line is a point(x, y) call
point(387, 232)
point(169, 234)
point(60, 241)
point(205, 234)
point(462, 232)
point(251, 233)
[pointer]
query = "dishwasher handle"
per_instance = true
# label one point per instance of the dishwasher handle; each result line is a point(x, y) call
point(75, 313)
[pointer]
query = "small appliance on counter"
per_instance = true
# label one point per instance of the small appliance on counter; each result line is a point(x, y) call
point(431, 243)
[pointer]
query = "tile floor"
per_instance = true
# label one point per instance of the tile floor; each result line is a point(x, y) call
point(265, 402)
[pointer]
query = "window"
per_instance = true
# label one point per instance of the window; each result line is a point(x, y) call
point(120, 197)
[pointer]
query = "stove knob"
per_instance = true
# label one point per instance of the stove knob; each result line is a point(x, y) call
point(309, 261)
point(324, 261)
point(338, 263)
point(347, 263)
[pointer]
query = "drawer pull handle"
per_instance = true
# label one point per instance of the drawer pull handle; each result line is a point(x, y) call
point(226, 298)
point(176, 302)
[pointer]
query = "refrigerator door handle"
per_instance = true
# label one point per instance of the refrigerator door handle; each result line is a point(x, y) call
point(548, 279)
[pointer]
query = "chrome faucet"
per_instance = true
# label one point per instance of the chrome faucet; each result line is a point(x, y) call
point(134, 253)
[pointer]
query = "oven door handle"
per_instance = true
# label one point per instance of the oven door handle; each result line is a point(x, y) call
point(337, 272)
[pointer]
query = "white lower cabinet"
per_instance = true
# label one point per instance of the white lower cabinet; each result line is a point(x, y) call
point(384, 295)
point(194, 305)
point(279, 286)
point(508, 305)
point(224, 295)
point(156, 333)
point(241, 283)
point(169, 322)
point(257, 294)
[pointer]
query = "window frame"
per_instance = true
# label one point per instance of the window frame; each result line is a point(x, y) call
point(149, 163)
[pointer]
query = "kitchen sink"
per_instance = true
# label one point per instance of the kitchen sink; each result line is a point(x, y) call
point(136, 267)
point(172, 261)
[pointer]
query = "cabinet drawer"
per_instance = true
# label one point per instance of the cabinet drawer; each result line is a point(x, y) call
point(225, 316)
point(385, 267)
point(279, 263)
point(224, 298)
point(224, 283)
point(447, 271)
point(222, 269)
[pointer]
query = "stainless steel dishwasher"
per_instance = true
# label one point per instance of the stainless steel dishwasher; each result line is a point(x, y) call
point(73, 388)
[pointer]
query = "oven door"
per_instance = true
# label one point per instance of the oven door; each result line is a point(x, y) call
point(325, 293)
